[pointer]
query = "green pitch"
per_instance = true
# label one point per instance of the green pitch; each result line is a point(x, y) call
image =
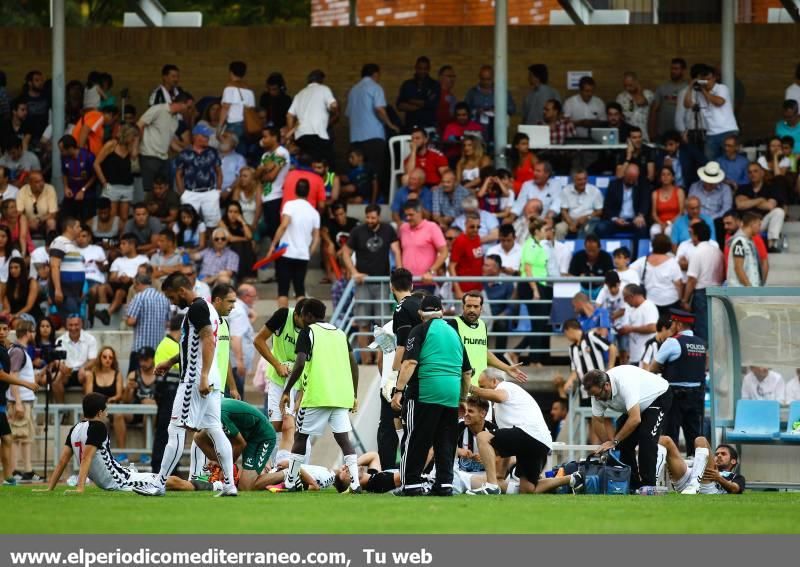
point(328, 512)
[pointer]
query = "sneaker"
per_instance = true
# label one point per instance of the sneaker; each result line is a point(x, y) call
point(484, 490)
point(103, 315)
point(410, 492)
point(17, 475)
point(276, 488)
point(351, 490)
point(576, 482)
point(145, 460)
point(227, 490)
point(10, 481)
point(691, 489)
point(31, 476)
point(152, 488)
point(439, 491)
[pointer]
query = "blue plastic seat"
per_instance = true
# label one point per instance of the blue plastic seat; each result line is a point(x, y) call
point(794, 415)
point(756, 420)
point(644, 248)
point(611, 244)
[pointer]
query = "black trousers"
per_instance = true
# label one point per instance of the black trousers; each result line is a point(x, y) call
point(376, 155)
point(387, 435)
point(643, 472)
point(500, 326)
point(317, 148)
point(540, 342)
point(429, 425)
point(165, 397)
point(687, 411)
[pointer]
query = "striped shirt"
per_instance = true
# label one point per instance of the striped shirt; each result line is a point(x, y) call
point(151, 309)
point(468, 440)
point(72, 267)
point(650, 349)
point(588, 354)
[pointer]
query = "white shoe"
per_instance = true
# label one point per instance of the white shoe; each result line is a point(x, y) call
point(691, 489)
point(484, 490)
point(152, 488)
point(229, 490)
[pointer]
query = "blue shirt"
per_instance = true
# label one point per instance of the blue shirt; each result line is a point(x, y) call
point(78, 170)
point(783, 129)
point(498, 293)
point(670, 351)
point(598, 320)
point(364, 98)
point(199, 170)
point(680, 228)
point(627, 211)
point(151, 308)
point(735, 169)
point(401, 196)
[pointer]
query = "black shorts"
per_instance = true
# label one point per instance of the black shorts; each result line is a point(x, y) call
point(531, 454)
point(5, 428)
point(73, 381)
point(291, 271)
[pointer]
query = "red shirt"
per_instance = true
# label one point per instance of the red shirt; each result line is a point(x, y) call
point(316, 194)
point(429, 162)
point(467, 253)
point(453, 134)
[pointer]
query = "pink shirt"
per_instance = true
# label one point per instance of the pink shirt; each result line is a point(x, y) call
point(419, 245)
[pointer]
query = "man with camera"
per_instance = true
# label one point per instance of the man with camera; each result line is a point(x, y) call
point(76, 350)
point(710, 100)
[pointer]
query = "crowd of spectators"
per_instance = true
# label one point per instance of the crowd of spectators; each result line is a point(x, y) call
point(206, 185)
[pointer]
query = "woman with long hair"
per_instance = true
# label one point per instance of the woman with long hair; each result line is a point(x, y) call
point(190, 229)
point(18, 225)
point(240, 239)
point(211, 118)
point(667, 203)
point(533, 264)
point(473, 158)
point(247, 192)
point(21, 292)
point(44, 342)
point(7, 253)
point(105, 378)
point(114, 173)
point(521, 160)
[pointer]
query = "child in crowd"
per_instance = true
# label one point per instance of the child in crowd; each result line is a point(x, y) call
point(496, 194)
point(331, 181)
point(610, 298)
point(622, 261)
point(360, 185)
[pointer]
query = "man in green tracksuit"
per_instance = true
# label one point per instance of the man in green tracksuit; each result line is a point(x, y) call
point(330, 382)
point(472, 330)
point(435, 375)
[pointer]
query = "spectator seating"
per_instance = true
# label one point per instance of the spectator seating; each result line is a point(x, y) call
point(398, 151)
point(607, 244)
point(643, 248)
point(756, 421)
point(794, 415)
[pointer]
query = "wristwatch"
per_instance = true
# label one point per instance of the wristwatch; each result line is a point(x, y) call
point(396, 391)
point(616, 442)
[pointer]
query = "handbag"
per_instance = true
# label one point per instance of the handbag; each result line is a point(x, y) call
point(606, 474)
point(252, 121)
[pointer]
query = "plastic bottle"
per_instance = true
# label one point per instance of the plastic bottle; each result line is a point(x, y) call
point(385, 340)
point(652, 491)
point(612, 138)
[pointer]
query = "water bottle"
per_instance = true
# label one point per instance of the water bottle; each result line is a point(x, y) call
point(652, 491)
point(612, 138)
point(385, 340)
point(785, 243)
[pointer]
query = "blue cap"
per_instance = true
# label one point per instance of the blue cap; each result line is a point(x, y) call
point(202, 130)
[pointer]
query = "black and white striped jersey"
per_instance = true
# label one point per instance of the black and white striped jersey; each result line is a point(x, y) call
point(650, 350)
point(588, 354)
point(104, 471)
point(201, 314)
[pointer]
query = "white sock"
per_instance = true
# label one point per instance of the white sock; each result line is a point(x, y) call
point(399, 438)
point(307, 459)
point(172, 452)
point(351, 462)
point(699, 465)
point(198, 461)
point(224, 451)
point(295, 461)
point(661, 462)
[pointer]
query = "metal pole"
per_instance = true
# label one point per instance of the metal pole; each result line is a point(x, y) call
point(655, 11)
point(58, 93)
point(500, 81)
point(729, 46)
point(353, 12)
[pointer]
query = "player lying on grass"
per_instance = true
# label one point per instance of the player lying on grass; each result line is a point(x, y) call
point(88, 443)
point(251, 436)
point(707, 476)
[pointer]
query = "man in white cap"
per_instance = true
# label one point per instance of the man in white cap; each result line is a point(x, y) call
point(198, 176)
point(715, 196)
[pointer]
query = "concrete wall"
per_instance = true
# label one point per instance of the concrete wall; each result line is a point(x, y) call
point(135, 56)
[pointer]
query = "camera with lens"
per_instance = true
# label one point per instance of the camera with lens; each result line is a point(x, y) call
point(699, 84)
point(53, 355)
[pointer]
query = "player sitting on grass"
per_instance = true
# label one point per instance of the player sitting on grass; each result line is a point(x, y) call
point(251, 436)
point(312, 477)
point(717, 476)
point(88, 443)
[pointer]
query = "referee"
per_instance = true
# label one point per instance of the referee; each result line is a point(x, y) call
point(435, 375)
point(682, 361)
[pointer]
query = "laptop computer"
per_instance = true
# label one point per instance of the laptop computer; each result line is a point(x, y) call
point(602, 135)
point(539, 135)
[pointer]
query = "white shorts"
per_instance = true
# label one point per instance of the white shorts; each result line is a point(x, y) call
point(462, 481)
point(193, 411)
point(206, 204)
point(312, 421)
point(274, 394)
point(118, 193)
point(684, 482)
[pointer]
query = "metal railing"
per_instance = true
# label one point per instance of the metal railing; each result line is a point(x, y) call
point(345, 315)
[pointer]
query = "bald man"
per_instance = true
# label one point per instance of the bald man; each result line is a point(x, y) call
point(240, 322)
point(627, 205)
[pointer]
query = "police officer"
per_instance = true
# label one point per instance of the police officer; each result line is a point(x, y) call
point(681, 360)
point(472, 331)
point(166, 388)
point(434, 379)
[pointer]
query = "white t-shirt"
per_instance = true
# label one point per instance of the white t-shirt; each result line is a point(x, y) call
point(38, 256)
point(719, 119)
point(660, 280)
point(771, 388)
point(93, 257)
point(793, 93)
point(612, 302)
point(127, 266)
point(628, 277)
point(312, 106)
point(274, 190)
point(630, 385)
point(576, 109)
point(10, 192)
point(299, 233)
point(510, 259)
point(239, 99)
point(792, 390)
point(549, 195)
point(784, 162)
point(706, 265)
point(521, 410)
point(645, 314)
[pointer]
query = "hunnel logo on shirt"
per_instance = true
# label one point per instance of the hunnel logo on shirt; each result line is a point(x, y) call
point(471, 341)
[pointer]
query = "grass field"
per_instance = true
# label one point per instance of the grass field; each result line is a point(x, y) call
point(328, 512)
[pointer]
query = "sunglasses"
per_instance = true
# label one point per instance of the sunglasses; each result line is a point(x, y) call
point(35, 208)
point(220, 239)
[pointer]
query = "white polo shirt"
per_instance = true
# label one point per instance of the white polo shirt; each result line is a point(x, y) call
point(706, 265)
point(510, 259)
point(78, 352)
point(630, 386)
point(312, 107)
point(549, 195)
point(579, 204)
point(576, 109)
point(645, 314)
